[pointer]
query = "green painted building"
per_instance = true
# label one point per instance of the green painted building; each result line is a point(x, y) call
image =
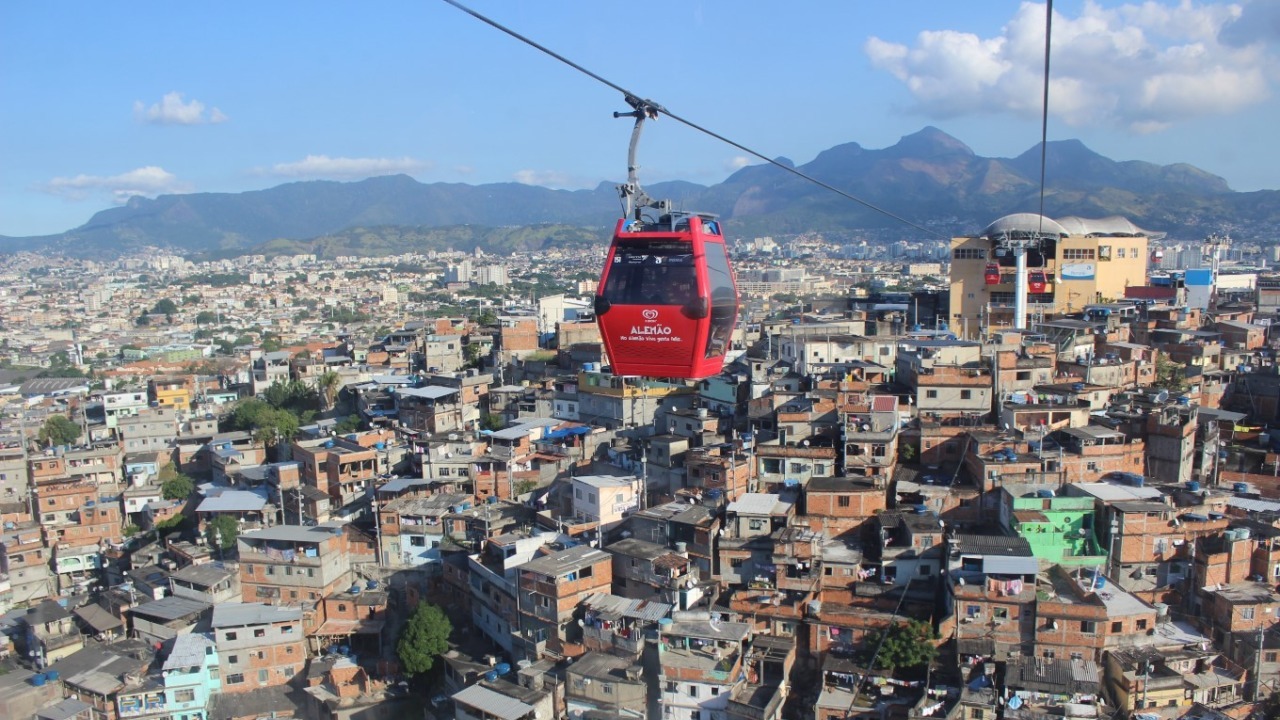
point(1059, 529)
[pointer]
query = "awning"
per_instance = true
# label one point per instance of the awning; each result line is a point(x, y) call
point(1010, 565)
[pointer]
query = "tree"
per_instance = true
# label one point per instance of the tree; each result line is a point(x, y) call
point(1170, 375)
point(222, 528)
point(425, 638)
point(492, 422)
point(328, 387)
point(908, 645)
point(206, 317)
point(179, 487)
point(347, 425)
point(58, 430)
point(165, 307)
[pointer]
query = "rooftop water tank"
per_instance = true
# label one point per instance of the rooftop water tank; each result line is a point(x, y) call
point(1193, 486)
point(38, 679)
point(1240, 487)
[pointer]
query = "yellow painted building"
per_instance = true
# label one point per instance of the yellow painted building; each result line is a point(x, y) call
point(1083, 262)
point(170, 393)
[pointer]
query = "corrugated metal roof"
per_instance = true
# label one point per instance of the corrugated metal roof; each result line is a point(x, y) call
point(188, 651)
point(171, 608)
point(758, 504)
point(615, 606)
point(430, 392)
point(493, 703)
point(1010, 565)
point(97, 618)
point(233, 501)
point(1254, 505)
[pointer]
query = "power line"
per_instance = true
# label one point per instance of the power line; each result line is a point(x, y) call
point(651, 105)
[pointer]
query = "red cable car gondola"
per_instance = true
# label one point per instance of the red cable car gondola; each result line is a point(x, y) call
point(992, 274)
point(667, 302)
point(1036, 282)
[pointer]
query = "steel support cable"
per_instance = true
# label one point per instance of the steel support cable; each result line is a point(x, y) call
point(1044, 110)
point(706, 131)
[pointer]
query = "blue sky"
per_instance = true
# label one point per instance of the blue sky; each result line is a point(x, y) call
point(99, 101)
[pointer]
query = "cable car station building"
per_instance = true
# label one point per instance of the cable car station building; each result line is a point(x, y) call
point(1070, 263)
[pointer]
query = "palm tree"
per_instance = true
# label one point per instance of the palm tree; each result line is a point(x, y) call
point(328, 385)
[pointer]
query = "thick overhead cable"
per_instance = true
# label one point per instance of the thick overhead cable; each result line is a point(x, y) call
point(658, 107)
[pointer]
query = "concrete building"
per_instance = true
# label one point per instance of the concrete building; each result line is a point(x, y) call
point(292, 565)
point(258, 645)
point(1083, 261)
point(551, 587)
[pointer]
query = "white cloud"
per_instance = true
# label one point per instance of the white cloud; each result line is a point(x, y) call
point(148, 181)
point(554, 179)
point(1139, 66)
point(737, 162)
point(172, 110)
point(323, 166)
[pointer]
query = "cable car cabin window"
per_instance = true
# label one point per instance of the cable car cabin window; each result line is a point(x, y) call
point(652, 274)
point(724, 301)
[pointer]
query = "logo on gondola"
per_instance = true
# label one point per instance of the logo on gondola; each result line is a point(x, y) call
point(651, 327)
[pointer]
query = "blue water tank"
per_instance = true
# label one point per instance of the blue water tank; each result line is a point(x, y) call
point(491, 676)
point(1183, 400)
point(380, 446)
point(1077, 387)
point(372, 584)
point(502, 668)
point(1240, 487)
point(328, 444)
point(344, 650)
point(52, 675)
point(1099, 581)
point(38, 679)
point(1193, 486)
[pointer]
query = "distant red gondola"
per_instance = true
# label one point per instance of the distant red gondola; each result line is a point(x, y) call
point(1036, 282)
point(667, 300)
point(992, 274)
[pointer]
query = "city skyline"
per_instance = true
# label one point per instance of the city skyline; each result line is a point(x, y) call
point(105, 105)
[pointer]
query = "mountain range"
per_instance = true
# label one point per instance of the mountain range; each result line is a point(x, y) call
point(928, 178)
